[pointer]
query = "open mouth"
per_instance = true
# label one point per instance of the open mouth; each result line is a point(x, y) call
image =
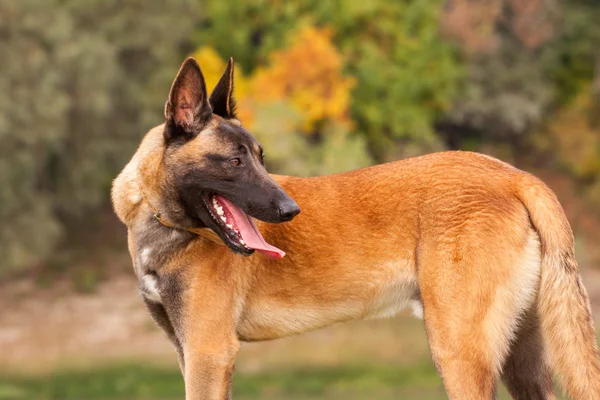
point(238, 230)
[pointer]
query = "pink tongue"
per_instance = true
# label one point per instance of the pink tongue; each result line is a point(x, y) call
point(249, 231)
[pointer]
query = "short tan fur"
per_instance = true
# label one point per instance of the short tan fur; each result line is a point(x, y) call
point(483, 247)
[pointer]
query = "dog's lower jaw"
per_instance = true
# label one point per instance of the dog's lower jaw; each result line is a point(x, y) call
point(238, 250)
point(216, 226)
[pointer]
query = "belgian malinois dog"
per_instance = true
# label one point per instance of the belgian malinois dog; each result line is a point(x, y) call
point(481, 249)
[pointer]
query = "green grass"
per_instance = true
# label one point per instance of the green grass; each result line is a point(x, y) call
point(144, 382)
point(153, 383)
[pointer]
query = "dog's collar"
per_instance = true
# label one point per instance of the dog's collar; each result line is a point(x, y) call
point(204, 232)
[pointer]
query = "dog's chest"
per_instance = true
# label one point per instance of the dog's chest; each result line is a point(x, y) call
point(155, 245)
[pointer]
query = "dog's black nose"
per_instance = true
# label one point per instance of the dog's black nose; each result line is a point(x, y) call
point(288, 210)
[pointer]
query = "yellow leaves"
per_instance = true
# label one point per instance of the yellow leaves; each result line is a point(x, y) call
point(307, 75)
point(213, 66)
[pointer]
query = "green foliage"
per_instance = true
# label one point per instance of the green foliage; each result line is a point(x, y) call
point(82, 80)
point(78, 84)
point(148, 382)
point(291, 153)
point(505, 93)
point(570, 61)
point(406, 75)
point(136, 382)
point(511, 89)
point(297, 105)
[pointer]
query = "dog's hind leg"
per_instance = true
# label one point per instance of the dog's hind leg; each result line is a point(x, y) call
point(461, 354)
point(473, 296)
point(526, 374)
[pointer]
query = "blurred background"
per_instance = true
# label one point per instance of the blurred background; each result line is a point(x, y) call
point(326, 86)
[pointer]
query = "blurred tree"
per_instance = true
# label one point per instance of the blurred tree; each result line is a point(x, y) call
point(473, 24)
point(572, 131)
point(82, 81)
point(533, 57)
point(406, 76)
point(212, 68)
point(321, 83)
point(308, 74)
point(288, 151)
point(573, 59)
point(505, 93)
point(575, 140)
point(297, 105)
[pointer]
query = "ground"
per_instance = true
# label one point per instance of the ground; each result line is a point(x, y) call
point(59, 344)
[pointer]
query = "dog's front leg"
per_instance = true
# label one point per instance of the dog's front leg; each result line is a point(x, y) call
point(210, 343)
point(209, 369)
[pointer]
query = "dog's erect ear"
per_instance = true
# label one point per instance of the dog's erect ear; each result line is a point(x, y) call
point(221, 98)
point(187, 109)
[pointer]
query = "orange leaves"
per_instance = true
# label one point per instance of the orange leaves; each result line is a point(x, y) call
point(308, 74)
point(297, 104)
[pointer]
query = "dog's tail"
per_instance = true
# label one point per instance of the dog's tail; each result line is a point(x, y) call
point(563, 306)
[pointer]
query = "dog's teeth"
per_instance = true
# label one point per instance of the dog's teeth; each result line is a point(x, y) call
point(223, 218)
point(230, 226)
point(242, 242)
point(220, 211)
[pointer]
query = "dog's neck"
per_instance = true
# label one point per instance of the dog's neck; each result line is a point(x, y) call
point(151, 183)
point(158, 216)
point(152, 188)
point(126, 192)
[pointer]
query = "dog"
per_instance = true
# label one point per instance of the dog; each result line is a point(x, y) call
point(224, 254)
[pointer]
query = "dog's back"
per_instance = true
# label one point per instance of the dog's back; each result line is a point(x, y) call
point(481, 249)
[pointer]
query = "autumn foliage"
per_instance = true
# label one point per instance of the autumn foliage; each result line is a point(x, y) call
point(325, 86)
point(306, 75)
point(475, 23)
point(309, 75)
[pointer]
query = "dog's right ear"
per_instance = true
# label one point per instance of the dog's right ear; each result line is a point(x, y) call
point(221, 98)
point(187, 109)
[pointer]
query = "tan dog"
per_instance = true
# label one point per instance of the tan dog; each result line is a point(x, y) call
point(483, 249)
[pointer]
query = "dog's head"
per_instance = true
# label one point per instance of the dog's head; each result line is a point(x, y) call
point(214, 167)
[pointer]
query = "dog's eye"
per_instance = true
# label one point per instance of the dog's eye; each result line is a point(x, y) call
point(236, 161)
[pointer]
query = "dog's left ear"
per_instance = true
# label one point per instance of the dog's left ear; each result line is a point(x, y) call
point(221, 98)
